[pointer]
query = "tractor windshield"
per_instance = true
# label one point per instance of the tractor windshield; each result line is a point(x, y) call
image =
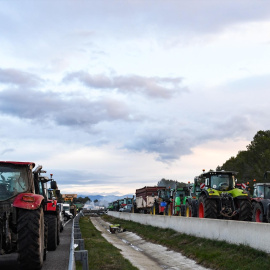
point(222, 182)
point(267, 192)
point(262, 191)
point(13, 180)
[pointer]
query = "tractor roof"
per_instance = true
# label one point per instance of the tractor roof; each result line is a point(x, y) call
point(18, 163)
point(262, 184)
point(218, 172)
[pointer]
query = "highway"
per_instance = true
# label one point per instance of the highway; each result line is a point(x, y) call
point(59, 259)
point(56, 260)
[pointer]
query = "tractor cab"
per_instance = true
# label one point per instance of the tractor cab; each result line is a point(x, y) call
point(15, 178)
point(261, 190)
point(218, 180)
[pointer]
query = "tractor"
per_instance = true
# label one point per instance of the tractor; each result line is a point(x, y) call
point(261, 201)
point(180, 196)
point(51, 211)
point(163, 202)
point(220, 199)
point(22, 221)
point(191, 209)
point(170, 202)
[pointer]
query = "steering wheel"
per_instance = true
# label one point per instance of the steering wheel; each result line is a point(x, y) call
point(223, 185)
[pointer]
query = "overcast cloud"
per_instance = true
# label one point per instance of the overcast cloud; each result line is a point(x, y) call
point(111, 96)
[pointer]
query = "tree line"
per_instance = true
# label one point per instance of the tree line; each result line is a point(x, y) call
point(251, 164)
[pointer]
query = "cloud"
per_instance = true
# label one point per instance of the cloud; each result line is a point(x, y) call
point(82, 177)
point(63, 110)
point(155, 87)
point(19, 78)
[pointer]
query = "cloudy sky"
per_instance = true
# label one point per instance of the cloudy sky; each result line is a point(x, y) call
point(110, 96)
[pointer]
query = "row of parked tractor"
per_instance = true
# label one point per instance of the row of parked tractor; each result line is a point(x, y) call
point(213, 194)
point(30, 217)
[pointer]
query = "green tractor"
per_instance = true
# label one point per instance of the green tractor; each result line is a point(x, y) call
point(220, 199)
point(180, 199)
point(191, 207)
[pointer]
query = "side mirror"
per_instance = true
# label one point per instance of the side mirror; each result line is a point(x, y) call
point(53, 184)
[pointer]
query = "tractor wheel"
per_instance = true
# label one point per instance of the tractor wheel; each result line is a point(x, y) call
point(61, 226)
point(52, 232)
point(45, 239)
point(207, 208)
point(257, 213)
point(155, 209)
point(58, 230)
point(168, 211)
point(183, 210)
point(194, 208)
point(30, 238)
point(188, 210)
point(245, 210)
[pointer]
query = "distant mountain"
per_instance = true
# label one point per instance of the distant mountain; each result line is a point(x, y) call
point(107, 198)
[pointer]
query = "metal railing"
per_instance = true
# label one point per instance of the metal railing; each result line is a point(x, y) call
point(76, 241)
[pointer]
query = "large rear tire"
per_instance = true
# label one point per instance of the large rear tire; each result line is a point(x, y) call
point(58, 230)
point(52, 232)
point(207, 208)
point(30, 238)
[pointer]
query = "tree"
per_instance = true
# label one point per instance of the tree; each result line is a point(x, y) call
point(170, 183)
point(254, 162)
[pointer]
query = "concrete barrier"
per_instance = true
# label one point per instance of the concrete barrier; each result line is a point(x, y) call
point(255, 235)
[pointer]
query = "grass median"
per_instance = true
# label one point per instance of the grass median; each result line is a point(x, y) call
point(101, 254)
point(209, 253)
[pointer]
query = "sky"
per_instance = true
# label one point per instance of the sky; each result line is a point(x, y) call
point(111, 96)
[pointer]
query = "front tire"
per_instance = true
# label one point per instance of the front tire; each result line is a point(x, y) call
point(188, 210)
point(30, 238)
point(207, 208)
point(257, 215)
point(168, 211)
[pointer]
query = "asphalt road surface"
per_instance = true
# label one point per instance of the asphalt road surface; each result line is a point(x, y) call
point(56, 260)
point(59, 259)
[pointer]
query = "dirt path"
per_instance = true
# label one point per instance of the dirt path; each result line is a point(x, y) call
point(145, 255)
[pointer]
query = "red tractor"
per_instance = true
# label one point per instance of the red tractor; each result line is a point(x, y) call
point(261, 201)
point(51, 210)
point(22, 221)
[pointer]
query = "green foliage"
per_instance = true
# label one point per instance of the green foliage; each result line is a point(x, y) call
point(170, 183)
point(254, 162)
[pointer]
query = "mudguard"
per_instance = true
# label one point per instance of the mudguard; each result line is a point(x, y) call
point(177, 203)
point(28, 201)
point(51, 206)
point(236, 192)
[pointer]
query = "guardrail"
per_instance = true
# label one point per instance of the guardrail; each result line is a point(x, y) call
point(76, 241)
point(253, 234)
